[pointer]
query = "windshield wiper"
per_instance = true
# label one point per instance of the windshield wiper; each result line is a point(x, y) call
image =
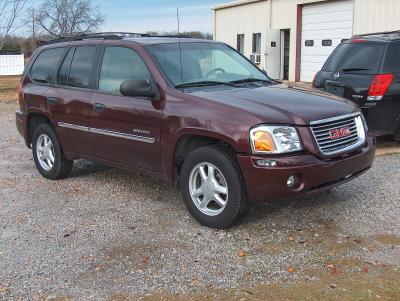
point(250, 80)
point(355, 69)
point(203, 84)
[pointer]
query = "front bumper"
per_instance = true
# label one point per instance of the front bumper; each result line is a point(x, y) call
point(265, 184)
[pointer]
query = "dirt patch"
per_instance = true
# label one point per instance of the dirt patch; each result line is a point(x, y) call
point(384, 285)
point(9, 88)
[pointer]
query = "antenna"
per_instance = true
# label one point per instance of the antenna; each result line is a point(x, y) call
point(179, 42)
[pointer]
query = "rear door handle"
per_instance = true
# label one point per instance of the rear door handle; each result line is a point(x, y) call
point(99, 107)
point(52, 100)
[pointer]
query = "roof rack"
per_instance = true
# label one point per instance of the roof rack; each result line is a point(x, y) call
point(98, 35)
point(393, 35)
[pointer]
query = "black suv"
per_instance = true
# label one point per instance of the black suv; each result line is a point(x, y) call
point(366, 70)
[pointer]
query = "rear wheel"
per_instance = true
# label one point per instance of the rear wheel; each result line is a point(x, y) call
point(212, 187)
point(48, 155)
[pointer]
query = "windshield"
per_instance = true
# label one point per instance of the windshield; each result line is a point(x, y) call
point(211, 63)
point(355, 57)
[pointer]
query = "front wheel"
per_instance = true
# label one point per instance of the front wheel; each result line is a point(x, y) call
point(48, 155)
point(212, 187)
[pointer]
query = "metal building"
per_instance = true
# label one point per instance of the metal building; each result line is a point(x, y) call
point(291, 39)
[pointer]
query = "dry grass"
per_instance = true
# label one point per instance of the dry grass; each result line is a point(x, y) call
point(9, 88)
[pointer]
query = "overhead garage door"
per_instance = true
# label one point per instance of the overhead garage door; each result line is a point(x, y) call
point(324, 26)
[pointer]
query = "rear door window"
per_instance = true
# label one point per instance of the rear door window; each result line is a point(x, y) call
point(363, 58)
point(64, 70)
point(392, 61)
point(44, 68)
point(81, 67)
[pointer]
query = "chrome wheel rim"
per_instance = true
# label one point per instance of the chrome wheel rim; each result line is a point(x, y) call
point(208, 189)
point(45, 152)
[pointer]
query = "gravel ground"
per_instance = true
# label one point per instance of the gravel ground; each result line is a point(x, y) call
point(108, 234)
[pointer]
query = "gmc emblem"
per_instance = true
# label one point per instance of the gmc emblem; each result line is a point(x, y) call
point(339, 133)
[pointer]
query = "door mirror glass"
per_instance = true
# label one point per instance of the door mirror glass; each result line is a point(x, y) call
point(137, 88)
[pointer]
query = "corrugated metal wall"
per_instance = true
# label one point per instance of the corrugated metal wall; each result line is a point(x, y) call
point(376, 16)
point(11, 64)
point(369, 16)
point(229, 22)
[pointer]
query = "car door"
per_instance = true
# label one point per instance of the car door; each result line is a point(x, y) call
point(125, 129)
point(69, 101)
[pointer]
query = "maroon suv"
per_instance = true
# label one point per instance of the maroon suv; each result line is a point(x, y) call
point(195, 113)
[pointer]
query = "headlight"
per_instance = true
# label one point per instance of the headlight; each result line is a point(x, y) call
point(268, 139)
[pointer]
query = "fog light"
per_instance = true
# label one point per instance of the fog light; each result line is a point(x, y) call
point(266, 163)
point(291, 181)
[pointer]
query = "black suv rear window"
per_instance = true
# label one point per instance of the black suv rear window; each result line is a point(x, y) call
point(362, 58)
point(392, 60)
point(45, 67)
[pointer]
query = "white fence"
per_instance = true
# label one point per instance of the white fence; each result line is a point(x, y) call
point(11, 64)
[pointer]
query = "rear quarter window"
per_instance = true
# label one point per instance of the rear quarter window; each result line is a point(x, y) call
point(44, 68)
point(362, 58)
point(392, 59)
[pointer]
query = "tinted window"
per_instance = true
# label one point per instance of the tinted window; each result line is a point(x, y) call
point(326, 42)
point(64, 70)
point(240, 43)
point(81, 67)
point(309, 43)
point(356, 57)
point(392, 61)
point(256, 42)
point(121, 64)
point(44, 69)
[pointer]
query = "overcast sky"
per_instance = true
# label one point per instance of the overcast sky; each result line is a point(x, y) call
point(154, 15)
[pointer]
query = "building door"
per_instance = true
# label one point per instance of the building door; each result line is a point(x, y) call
point(324, 26)
point(285, 53)
point(273, 53)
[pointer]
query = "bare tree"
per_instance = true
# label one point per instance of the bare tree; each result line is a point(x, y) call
point(10, 12)
point(64, 18)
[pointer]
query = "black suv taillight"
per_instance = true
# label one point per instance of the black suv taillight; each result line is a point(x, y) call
point(379, 86)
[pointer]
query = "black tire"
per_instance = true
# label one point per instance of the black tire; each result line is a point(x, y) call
point(236, 204)
point(62, 166)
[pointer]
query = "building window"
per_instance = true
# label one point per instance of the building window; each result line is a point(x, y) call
point(326, 42)
point(256, 42)
point(309, 43)
point(240, 43)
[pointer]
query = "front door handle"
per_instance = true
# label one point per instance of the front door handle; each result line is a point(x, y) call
point(99, 107)
point(52, 100)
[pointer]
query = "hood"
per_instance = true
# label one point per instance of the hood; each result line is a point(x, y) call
point(282, 103)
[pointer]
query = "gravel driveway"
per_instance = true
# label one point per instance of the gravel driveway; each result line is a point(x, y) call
point(108, 234)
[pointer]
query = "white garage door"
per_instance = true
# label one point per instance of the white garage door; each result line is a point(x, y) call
point(324, 26)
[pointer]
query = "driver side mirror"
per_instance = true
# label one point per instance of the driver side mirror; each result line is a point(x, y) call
point(138, 88)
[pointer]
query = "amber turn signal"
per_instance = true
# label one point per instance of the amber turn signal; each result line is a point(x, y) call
point(263, 141)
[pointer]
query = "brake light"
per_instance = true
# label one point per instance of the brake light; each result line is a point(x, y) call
point(20, 96)
point(313, 82)
point(379, 86)
point(358, 41)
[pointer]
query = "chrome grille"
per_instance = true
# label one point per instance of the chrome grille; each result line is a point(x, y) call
point(322, 130)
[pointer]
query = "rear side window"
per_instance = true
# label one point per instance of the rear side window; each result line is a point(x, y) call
point(121, 64)
point(81, 67)
point(364, 58)
point(44, 68)
point(392, 60)
point(64, 70)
